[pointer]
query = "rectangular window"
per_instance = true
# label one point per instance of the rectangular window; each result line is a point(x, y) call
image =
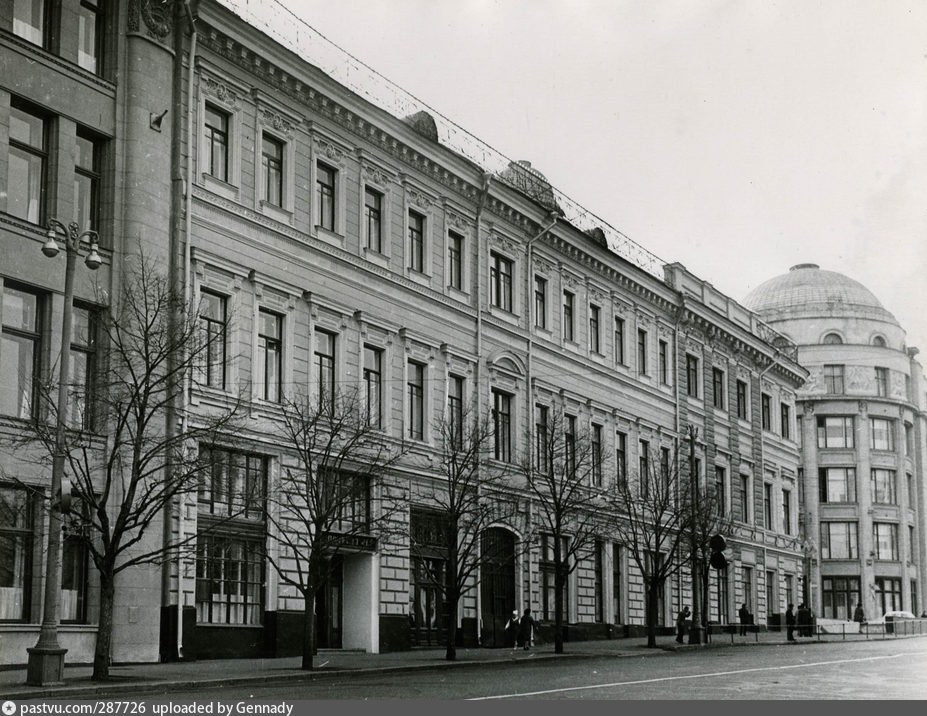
point(912, 497)
point(741, 400)
point(833, 379)
point(839, 597)
point(599, 584)
point(455, 409)
point(272, 166)
point(416, 392)
point(717, 388)
point(567, 316)
point(616, 584)
point(883, 490)
point(594, 337)
point(887, 594)
point(229, 579)
point(881, 434)
point(373, 384)
point(270, 356)
point(20, 352)
point(664, 363)
point(416, 242)
point(500, 282)
point(455, 260)
point(691, 376)
point(785, 421)
point(325, 369)
point(909, 440)
point(766, 411)
point(325, 195)
point(213, 339)
point(373, 219)
point(619, 341)
point(665, 467)
point(908, 391)
point(90, 36)
point(87, 181)
point(881, 379)
point(835, 432)
point(621, 457)
point(643, 467)
point(546, 566)
point(885, 540)
point(837, 484)
point(27, 164)
point(74, 563)
point(720, 497)
point(17, 525)
point(82, 368)
point(569, 445)
point(541, 444)
point(839, 540)
point(29, 20)
point(217, 143)
point(540, 302)
point(745, 499)
point(724, 597)
point(596, 455)
point(641, 351)
point(768, 505)
point(233, 486)
point(747, 576)
point(348, 497)
point(786, 512)
point(772, 604)
point(914, 605)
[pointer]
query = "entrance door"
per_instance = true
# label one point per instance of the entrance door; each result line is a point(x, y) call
point(497, 583)
point(429, 612)
point(328, 607)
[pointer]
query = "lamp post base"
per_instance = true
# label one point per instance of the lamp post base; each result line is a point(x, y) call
point(46, 666)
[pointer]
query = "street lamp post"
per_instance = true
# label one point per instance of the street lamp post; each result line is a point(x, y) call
point(695, 634)
point(46, 658)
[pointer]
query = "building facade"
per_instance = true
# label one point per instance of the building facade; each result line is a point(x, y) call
point(862, 426)
point(331, 243)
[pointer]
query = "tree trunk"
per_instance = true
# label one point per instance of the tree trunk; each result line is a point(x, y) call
point(559, 579)
point(102, 652)
point(651, 614)
point(308, 632)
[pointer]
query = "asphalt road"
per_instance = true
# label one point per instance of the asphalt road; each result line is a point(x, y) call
point(857, 670)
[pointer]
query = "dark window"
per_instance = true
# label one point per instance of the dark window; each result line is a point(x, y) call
point(665, 467)
point(616, 584)
point(500, 282)
point(881, 376)
point(455, 260)
point(741, 400)
point(768, 505)
point(348, 496)
point(546, 566)
point(87, 181)
point(717, 388)
point(643, 463)
point(90, 36)
point(785, 415)
point(766, 411)
point(664, 363)
point(881, 434)
point(691, 376)
point(20, 352)
point(416, 241)
point(619, 341)
point(839, 540)
point(621, 457)
point(599, 583)
point(17, 526)
point(597, 455)
point(29, 21)
point(416, 390)
point(74, 563)
point(720, 491)
point(272, 165)
point(594, 338)
point(325, 369)
point(541, 438)
point(212, 336)
point(786, 512)
point(270, 355)
point(883, 488)
point(567, 316)
point(455, 397)
point(745, 499)
point(832, 339)
point(325, 196)
point(540, 302)
point(833, 379)
point(373, 381)
point(885, 540)
point(27, 164)
point(641, 351)
point(232, 484)
point(837, 484)
point(835, 432)
point(888, 594)
point(839, 597)
point(502, 425)
point(569, 445)
point(373, 215)
point(217, 143)
point(83, 367)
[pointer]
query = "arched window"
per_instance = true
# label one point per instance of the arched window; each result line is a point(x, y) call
point(878, 341)
point(832, 339)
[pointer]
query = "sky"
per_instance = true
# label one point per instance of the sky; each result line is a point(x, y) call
point(737, 138)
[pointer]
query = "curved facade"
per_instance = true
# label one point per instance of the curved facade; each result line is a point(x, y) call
point(863, 442)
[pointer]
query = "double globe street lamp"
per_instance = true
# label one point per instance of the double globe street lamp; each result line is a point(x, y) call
point(46, 658)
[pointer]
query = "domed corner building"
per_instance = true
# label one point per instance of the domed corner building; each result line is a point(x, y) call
point(862, 433)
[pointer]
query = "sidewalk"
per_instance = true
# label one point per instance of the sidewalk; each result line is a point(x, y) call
point(162, 678)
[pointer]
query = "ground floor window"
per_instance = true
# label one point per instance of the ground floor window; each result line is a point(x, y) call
point(74, 561)
point(548, 588)
point(888, 594)
point(616, 584)
point(914, 605)
point(599, 584)
point(723, 596)
point(747, 577)
point(839, 596)
point(229, 579)
point(17, 523)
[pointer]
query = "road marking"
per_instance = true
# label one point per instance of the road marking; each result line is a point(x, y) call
point(687, 676)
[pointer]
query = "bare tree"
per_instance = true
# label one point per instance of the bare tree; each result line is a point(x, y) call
point(652, 511)
point(126, 466)
point(331, 497)
point(564, 475)
point(469, 498)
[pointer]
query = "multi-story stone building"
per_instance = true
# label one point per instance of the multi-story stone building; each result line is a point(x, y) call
point(862, 427)
point(331, 242)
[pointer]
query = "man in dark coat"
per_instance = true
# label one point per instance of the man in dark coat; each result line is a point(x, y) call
point(790, 623)
point(744, 615)
point(804, 619)
point(681, 623)
point(526, 629)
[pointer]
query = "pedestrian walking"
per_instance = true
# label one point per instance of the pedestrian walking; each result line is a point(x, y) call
point(744, 615)
point(859, 616)
point(526, 629)
point(790, 623)
point(804, 617)
point(681, 623)
point(511, 630)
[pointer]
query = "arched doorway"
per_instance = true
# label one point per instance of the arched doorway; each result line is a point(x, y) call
point(497, 583)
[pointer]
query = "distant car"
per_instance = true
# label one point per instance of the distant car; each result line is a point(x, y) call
point(893, 616)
